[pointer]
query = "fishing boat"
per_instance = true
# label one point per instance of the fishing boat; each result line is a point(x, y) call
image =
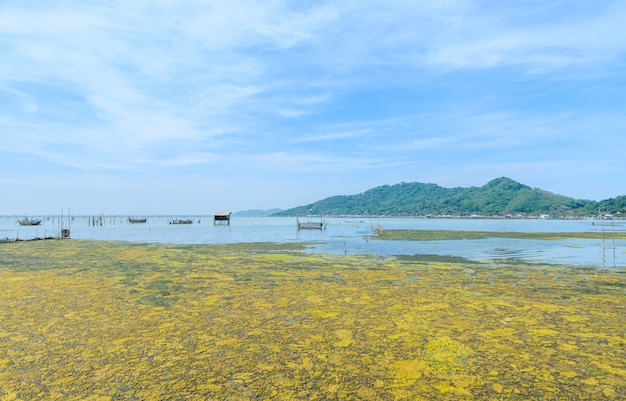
point(185, 221)
point(29, 222)
point(134, 220)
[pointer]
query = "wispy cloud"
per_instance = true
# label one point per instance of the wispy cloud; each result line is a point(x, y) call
point(366, 88)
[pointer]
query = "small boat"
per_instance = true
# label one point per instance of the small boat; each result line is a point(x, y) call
point(29, 222)
point(186, 221)
point(134, 220)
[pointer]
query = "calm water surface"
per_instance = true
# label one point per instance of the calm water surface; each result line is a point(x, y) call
point(349, 235)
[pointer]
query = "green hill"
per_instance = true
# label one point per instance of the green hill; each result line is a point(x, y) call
point(500, 197)
point(256, 212)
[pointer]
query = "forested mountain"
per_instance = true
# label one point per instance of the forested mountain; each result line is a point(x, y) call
point(500, 197)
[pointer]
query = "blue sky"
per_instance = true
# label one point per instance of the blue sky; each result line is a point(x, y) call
point(190, 106)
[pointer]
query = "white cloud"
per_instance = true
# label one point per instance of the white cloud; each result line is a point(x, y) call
point(486, 40)
point(316, 88)
point(330, 136)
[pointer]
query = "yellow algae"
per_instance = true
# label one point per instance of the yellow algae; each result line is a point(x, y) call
point(7, 280)
point(609, 392)
point(82, 320)
point(9, 396)
point(410, 369)
point(397, 336)
point(446, 388)
point(503, 332)
point(575, 318)
point(397, 307)
point(345, 338)
point(227, 343)
point(315, 299)
point(617, 370)
point(277, 257)
point(333, 388)
point(592, 381)
point(570, 374)
point(367, 394)
point(435, 306)
point(543, 332)
point(325, 314)
point(445, 354)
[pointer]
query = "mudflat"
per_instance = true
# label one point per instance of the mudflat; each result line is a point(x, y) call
point(119, 321)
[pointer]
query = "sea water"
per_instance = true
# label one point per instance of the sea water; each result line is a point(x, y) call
point(348, 235)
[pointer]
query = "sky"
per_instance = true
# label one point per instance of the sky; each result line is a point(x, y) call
point(195, 106)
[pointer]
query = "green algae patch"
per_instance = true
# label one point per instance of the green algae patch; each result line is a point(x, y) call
point(116, 321)
point(430, 258)
point(441, 235)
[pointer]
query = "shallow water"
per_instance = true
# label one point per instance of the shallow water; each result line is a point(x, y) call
point(350, 235)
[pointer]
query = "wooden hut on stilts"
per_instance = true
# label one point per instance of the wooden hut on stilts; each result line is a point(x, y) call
point(221, 218)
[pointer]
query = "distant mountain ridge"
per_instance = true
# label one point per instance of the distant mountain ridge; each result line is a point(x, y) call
point(501, 196)
point(256, 212)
